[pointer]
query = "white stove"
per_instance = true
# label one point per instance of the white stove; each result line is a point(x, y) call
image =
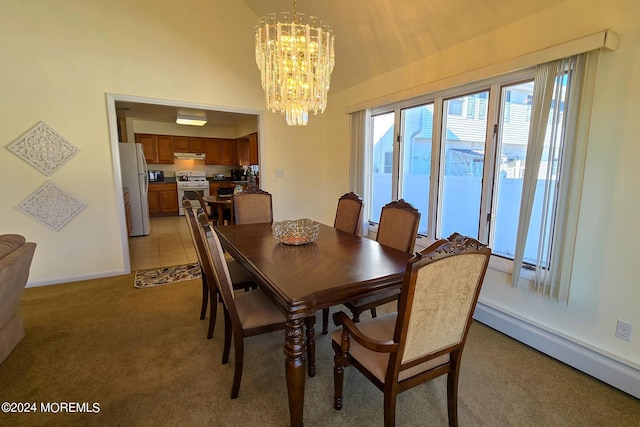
point(190, 182)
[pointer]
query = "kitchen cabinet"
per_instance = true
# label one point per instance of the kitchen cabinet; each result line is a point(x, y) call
point(253, 148)
point(228, 151)
point(242, 151)
point(181, 144)
point(247, 150)
point(163, 199)
point(220, 151)
point(158, 149)
point(212, 151)
point(188, 144)
point(149, 147)
point(196, 145)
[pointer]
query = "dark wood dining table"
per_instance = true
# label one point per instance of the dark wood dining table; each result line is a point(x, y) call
point(220, 204)
point(300, 280)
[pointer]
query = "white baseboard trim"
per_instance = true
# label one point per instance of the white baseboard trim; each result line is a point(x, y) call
point(59, 280)
point(602, 367)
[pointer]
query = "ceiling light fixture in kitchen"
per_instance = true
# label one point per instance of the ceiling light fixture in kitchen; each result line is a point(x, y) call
point(191, 120)
point(295, 56)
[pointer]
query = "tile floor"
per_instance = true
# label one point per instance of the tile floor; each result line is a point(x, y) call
point(168, 244)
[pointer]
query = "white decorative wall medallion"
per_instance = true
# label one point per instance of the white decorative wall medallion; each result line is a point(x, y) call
point(43, 148)
point(52, 206)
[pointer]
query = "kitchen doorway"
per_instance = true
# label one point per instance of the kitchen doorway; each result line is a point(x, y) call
point(125, 112)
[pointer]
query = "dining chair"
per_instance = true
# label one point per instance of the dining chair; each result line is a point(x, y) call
point(252, 206)
point(397, 228)
point(246, 314)
point(426, 337)
point(349, 213)
point(348, 219)
point(211, 214)
point(239, 277)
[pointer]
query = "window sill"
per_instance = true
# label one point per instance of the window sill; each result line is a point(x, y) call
point(506, 266)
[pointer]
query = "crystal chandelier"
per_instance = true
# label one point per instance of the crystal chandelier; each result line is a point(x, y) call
point(295, 58)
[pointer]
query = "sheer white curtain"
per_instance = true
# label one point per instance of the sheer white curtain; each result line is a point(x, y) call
point(358, 165)
point(558, 135)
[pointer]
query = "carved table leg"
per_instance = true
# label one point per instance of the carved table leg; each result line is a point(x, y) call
point(311, 345)
point(294, 349)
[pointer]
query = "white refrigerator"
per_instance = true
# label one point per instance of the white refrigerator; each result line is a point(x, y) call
point(135, 178)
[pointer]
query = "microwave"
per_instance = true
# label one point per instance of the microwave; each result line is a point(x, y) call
point(156, 176)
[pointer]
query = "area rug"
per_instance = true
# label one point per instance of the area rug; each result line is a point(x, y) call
point(165, 275)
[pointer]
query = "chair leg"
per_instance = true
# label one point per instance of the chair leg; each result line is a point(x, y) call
point(205, 295)
point(452, 395)
point(311, 345)
point(338, 381)
point(390, 409)
point(373, 312)
point(237, 371)
point(325, 321)
point(227, 337)
point(339, 362)
point(212, 314)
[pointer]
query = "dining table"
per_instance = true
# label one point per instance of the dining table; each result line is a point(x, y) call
point(301, 279)
point(220, 203)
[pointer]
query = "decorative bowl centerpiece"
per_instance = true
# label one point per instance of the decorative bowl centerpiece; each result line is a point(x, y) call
point(295, 231)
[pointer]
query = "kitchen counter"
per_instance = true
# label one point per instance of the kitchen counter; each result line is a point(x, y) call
point(226, 179)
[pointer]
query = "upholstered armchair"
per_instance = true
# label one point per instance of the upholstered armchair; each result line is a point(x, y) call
point(425, 338)
point(15, 260)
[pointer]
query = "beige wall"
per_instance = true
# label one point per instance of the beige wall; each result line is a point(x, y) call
point(60, 58)
point(604, 285)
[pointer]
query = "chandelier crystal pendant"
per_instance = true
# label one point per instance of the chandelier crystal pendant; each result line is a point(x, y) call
point(295, 57)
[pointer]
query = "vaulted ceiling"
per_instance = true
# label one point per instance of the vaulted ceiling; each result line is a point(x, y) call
point(376, 36)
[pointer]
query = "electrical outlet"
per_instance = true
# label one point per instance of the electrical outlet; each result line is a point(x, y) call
point(623, 330)
point(279, 173)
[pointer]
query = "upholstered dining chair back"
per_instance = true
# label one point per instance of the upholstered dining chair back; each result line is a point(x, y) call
point(349, 213)
point(215, 257)
point(252, 206)
point(246, 314)
point(239, 277)
point(426, 337)
point(192, 224)
point(441, 296)
point(398, 226)
point(190, 213)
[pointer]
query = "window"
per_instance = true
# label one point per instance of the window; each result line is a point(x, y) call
point(512, 150)
point(463, 144)
point(416, 147)
point(382, 135)
point(455, 107)
point(464, 159)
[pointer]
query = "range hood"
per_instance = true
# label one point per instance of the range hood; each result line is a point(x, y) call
point(192, 156)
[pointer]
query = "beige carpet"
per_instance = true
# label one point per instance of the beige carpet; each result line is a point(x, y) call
point(144, 358)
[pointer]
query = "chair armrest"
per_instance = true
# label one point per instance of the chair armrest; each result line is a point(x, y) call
point(350, 329)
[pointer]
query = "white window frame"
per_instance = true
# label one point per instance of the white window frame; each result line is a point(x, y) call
point(493, 86)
